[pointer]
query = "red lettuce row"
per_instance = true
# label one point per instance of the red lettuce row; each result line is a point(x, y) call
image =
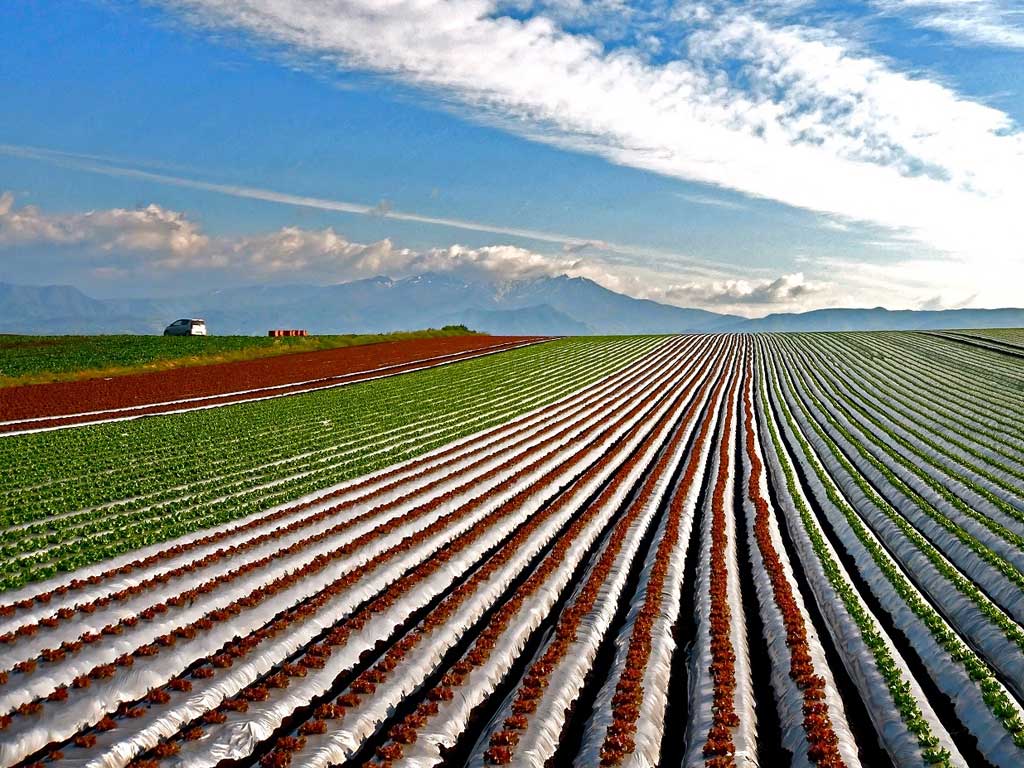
point(719, 749)
point(534, 683)
point(823, 743)
point(629, 689)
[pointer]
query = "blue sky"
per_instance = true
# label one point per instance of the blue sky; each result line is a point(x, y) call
point(745, 157)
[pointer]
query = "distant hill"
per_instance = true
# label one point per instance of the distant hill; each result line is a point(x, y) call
point(554, 305)
point(880, 319)
point(60, 309)
point(605, 311)
point(549, 305)
point(540, 320)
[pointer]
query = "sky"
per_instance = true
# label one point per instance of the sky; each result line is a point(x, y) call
point(743, 157)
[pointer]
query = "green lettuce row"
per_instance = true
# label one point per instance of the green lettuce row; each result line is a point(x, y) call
point(978, 670)
point(907, 402)
point(1008, 509)
point(980, 399)
point(1006, 569)
point(86, 453)
point(899, 687)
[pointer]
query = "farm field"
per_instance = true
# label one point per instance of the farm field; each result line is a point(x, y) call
point(42, 359)
point(700, 550)
point(60, 404)
point(1007, 340)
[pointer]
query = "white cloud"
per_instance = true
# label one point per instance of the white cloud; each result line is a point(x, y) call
point(788, 113)
point(383, 208)
point(585, 245)
point(149, 229)
point(788, 291)
point(118, 245)
point(942, 302)
point(121, 246)
point(998, 23)
point(912, 282)
point(715, 202)
point(330, 257)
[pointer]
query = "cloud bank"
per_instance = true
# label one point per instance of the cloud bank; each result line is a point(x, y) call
point(154, 239)
point(786, 290)
point(151, 230)
point(122, 246)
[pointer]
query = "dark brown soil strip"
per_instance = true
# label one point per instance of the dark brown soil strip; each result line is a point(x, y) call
point(64, 400)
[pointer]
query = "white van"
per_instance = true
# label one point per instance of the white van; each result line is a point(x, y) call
point(187, 327)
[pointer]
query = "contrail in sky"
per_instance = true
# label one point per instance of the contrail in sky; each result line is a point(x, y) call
point(106, 166)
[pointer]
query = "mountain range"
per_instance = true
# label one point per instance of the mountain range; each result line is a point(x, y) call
point(548, 305)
